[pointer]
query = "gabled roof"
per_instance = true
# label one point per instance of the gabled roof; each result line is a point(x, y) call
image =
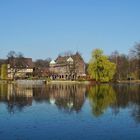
point(64, 59)
point(26, 62)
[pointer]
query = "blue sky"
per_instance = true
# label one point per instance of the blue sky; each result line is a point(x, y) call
point(45, 28)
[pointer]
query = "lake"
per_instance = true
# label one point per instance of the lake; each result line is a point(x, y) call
point(70, 112)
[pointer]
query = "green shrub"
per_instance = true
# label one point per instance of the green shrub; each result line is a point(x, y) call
point(4, 71)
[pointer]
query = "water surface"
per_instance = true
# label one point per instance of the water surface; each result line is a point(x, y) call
point(70, 112)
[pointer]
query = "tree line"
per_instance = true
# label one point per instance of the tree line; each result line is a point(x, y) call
point(116, 66)
point(101, 67)
point(127, 66)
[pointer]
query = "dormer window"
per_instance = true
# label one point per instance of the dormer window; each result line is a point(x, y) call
point(70, 60)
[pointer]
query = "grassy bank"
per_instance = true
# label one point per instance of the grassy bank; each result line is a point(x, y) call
point(68, 82)
point(128, 81)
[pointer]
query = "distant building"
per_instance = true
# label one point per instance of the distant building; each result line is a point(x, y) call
point(21, 69)
point(67, 67)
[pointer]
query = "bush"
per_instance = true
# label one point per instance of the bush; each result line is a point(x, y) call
point(4, 71)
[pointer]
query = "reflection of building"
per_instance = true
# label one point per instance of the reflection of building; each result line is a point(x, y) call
point(66, 97)
point(69, 97)
point(15, 96)
point(67, 67)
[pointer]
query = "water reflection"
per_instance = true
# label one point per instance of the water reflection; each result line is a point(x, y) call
point(128, 96)
point(66, 97)
point(116, 97)
point(71, 98)
point(101, 97)
point(16, 97)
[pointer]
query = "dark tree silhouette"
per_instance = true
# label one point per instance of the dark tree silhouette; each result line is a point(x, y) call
point(17, 62)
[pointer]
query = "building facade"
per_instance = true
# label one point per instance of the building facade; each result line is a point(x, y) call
point(20, 69)
point(67, 67)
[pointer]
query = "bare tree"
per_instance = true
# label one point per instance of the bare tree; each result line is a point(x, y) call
point(135, 55)
point(122, 65)
point(40, 63)
point(17, 62)
point(67, 53)
point(41, 67)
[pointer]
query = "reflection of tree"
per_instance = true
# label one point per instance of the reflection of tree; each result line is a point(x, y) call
point(15, 97)
point(17, 63)
point(70, 97)
point(101, 97)
point(136, 113)
point(128, 97)
point(66, 97)
point(127, 94)
point(3, 91)
point(18, 103)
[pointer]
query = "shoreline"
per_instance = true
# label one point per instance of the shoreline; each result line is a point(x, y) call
point(43, 81)
point(40, 82)
point(68, 82)
point(129, 82)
